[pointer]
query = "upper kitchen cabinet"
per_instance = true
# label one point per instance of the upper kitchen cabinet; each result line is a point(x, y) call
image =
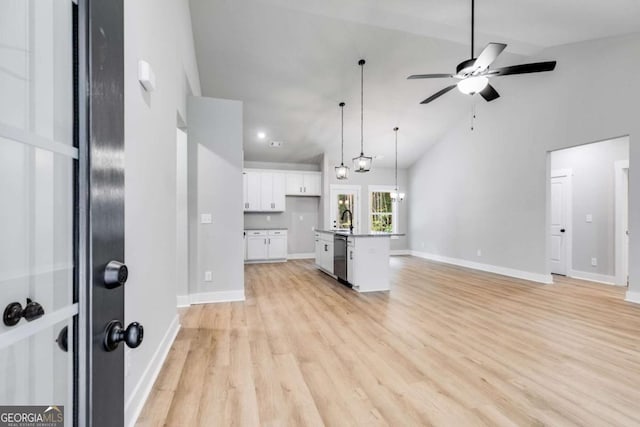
point(301, 183)
point(263, 191)
point(251, 190)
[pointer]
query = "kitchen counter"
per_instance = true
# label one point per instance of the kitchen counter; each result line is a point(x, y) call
point(346, 233)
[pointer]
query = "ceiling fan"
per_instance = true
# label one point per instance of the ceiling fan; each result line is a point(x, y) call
point(473, 74)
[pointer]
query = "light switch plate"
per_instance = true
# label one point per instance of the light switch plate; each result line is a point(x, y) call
point(589, 218)
point(206, 218)
point(208, 276)
point(594, 262)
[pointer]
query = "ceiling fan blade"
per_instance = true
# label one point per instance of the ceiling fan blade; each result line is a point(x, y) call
point(536, 67)
point(429, 76)
point(489, 93)
point(488, 55)
point(438, 94)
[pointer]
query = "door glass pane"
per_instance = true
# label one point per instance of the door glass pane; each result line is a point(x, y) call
point(35, 371)
point(345, 201)
point(36, 79)
point(36, 225)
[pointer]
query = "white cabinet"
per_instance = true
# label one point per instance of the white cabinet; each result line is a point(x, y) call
point(266, 245)
point(351, 277)
point(324, 251)
point(251, 190)
point(272, 188)
point(256, 245)
point(304, 183)
point(263, 191)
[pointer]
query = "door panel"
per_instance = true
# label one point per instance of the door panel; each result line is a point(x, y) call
point(559, 212)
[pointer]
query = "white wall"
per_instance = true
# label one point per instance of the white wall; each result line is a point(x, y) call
point(215, 187)
point(487, 189)
point(593, 193)
point(378, 176)
point(160, 33)
point(182, 215)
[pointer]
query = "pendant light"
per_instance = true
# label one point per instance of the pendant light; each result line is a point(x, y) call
point(342, 171)
point(396, 195)
point(362, 163)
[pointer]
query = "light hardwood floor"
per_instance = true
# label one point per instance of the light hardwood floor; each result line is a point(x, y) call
point(447, 346)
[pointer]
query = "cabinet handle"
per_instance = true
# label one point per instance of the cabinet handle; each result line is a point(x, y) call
point(301, 189)
point(269, 241)
point(326, 249)
point(350, 255)
point(305, 189)
point(246, 205)
point(265, 241)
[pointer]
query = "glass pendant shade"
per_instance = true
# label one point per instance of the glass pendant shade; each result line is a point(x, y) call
point(472, 85)
point(397, 196)
point(362, 163)
point(342, 172)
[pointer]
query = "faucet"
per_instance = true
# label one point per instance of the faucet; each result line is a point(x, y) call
point(350, 219)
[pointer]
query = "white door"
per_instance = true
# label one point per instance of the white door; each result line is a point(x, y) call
point(625, 221)
point(559, 222)
point(256, 247)
point(277, 247)
point(343, 198)
point(622, 222)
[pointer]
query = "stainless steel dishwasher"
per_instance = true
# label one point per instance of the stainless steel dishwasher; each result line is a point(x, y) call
point(340, 258)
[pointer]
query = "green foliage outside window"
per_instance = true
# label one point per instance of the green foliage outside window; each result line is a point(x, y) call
point(381, 212)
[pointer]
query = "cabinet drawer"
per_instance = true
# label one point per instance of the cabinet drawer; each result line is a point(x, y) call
point(256, 232)
point(278, 233)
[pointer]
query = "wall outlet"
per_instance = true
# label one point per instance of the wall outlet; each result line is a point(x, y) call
point(479, 252)
point(268, 217)
point(301, 218)
point(589, 218)
point(206, 218)
point(594, 262)
point(208, 276)
point(422, 245)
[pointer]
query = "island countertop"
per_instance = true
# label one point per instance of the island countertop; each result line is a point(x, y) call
point(346, 233)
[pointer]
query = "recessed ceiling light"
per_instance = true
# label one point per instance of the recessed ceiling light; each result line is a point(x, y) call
point(262, 135)
point(275, 144)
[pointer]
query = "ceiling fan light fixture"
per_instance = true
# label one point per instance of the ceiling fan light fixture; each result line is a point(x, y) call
point(473, 85)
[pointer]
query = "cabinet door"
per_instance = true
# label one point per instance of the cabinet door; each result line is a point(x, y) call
point(295, 184)
point(350, 264)
point(256, 248)
point(278, 191)
point(245, 191)
point(266, 192)
point(252, 202)
point(328, 257)
point(319, 251)
point(312, 184)
point(277, 247)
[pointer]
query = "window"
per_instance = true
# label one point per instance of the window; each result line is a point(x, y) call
point(382, 211)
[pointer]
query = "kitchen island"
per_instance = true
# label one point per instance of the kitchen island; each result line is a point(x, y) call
point(360, 261)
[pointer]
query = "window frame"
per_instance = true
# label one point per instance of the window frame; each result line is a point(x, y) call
point(394, 207)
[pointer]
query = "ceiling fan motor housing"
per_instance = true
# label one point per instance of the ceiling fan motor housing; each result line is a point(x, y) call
point(466, 67)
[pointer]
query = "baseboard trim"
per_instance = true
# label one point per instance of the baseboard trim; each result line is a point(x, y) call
point(214, 297)
point(633, 297)
point(593, 277)
point(503, 271)
point(400, 252)
point(310, 255)
point(182, 301)
point(141, 391)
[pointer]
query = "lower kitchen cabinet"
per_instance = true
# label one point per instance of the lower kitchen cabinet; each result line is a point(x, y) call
point(266, 245)
point(324, 251)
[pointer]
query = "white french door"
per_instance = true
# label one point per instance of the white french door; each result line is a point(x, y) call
point(343, 198)
point(560, 222)
point(37, 181)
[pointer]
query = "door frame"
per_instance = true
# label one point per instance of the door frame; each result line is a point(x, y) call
point(621, 171)
point(568, 201)
point(333, 188)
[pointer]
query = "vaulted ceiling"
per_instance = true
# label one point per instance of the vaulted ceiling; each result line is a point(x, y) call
point(292, 62)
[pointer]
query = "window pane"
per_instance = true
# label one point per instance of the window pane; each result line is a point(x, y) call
point(382, 223)
point(381, 202)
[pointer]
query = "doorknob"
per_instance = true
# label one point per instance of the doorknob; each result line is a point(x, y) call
point(562, 230)
point(114, 334)
point(14, 312)
point(115, 274)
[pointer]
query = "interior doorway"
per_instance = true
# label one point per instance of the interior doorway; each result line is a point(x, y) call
point(182, 218)
point(588, 212)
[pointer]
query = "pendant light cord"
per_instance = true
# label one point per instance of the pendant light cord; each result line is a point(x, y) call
point(473, 25)
point(396, 131)
point(362, 107)
point(342, 133)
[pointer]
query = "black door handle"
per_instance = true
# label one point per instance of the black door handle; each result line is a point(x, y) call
point(562, 230)
point(114, 334)
point(14, 312)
